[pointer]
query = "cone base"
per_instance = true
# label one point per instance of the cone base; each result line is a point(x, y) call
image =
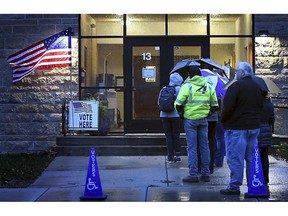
point(246, 195)
point(83, 198)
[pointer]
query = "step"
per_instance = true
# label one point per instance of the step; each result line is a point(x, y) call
point(125, 145)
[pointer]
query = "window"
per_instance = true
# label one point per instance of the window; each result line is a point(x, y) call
point(145, 24)
point(227, 51)
point(230, 24)
point(101, 24)
point(187, 24)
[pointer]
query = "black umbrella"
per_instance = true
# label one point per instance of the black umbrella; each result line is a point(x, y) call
point(182, 67)
point(206, 63)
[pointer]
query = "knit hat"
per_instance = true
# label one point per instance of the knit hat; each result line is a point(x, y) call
point(194, 70)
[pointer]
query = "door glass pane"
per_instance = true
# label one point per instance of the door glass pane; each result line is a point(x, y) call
point(231, 24)
point(102, 75)
point(145, 24)
point(145, 84)
point(102, 57)
point(187, 24)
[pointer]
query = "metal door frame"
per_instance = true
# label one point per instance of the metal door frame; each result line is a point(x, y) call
point(166, 64)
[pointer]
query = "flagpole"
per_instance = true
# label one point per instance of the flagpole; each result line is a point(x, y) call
point(70, 101)
point(69, 46)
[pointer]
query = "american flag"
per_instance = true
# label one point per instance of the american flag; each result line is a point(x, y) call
point(78, 107)
point(51, 52)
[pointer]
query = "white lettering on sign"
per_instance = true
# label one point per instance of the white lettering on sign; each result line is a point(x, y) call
point(146, 56)
point(256, 160)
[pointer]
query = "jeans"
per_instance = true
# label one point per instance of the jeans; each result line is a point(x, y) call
point(220, 145)
point(239, 148)
point(197, 134)
point(171, 128)
point(212, 146)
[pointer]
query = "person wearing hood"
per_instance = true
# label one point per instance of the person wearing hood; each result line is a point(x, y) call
point(265, 134)
point(196, 99)
point(172, 123)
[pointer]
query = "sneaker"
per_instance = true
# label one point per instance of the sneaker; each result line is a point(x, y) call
point(190, 179)
point(177, 159)
point(205, 178)
point(170, 160)
point(229, 192)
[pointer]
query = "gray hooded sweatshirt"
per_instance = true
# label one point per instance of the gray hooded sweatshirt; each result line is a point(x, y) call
point(175, 80)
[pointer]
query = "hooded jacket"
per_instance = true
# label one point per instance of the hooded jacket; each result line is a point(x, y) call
point(176, 80)
point(197, 97)
point(267, 120)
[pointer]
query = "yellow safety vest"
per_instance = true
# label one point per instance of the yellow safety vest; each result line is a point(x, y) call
point(196, 95)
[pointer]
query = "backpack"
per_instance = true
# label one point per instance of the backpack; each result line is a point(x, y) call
point(166, 99)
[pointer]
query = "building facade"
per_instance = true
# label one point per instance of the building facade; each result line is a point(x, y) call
point(124, 60)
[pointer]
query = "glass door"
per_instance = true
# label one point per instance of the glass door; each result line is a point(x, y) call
point(147, 66)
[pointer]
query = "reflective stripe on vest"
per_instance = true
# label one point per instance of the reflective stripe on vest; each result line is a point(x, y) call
point(198, 104)
point(202, 89)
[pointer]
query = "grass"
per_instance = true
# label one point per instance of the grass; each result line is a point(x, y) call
point(21, 170)
point(280, 152)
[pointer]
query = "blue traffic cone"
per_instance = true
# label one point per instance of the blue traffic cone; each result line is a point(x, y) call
point(93, 188)
point(256, 184)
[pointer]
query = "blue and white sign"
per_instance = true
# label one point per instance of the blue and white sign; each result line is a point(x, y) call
point(83, 115)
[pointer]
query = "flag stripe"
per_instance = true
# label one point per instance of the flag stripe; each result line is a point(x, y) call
point(52, 52)
point(42, 57)
point(50, 62)
point(28, 58)
point(46, 55)
point(25, 51)
point(30, 61)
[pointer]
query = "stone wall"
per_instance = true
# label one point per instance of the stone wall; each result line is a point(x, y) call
point(30, 110)
point(271, 61)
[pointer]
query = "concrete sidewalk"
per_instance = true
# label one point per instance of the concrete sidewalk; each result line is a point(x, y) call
point(139, 179)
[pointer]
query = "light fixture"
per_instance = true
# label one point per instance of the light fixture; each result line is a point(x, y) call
point(262, 37)
point(263, 33)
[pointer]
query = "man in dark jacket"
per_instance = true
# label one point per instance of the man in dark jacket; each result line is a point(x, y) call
point(241, 116)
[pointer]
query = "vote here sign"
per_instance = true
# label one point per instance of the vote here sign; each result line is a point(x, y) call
point(83, 115)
